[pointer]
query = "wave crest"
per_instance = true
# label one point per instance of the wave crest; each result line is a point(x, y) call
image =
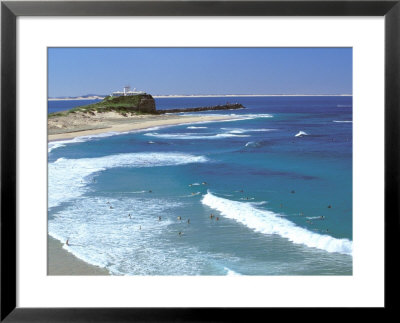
point(69, 177)
point(268, 222)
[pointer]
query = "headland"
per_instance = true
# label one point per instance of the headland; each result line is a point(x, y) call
point(124, 113)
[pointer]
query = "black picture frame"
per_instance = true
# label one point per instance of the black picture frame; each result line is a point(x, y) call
point(10, 10)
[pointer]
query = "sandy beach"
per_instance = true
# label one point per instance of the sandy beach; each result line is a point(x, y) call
point(81, 124)
point(61, 262)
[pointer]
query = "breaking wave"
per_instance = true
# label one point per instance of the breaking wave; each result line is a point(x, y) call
point(68, 178)
point(268, 222)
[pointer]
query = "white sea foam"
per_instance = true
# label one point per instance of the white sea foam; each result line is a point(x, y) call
point(301, 134)
point(343, 121)
point(90, 226)
point(249, 116)
point(193, 127)
point(62, 143)
point(267, 222)
point(233, 116)
point(230, 272)
point(193, 135)
point(259, 203)
point(68, 177)
point(240, 130)
point(253, 144)
point(137, 245)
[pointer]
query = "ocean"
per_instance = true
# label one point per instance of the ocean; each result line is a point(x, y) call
point(267, 193)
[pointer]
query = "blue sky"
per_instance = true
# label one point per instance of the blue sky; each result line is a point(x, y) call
point(80, 71)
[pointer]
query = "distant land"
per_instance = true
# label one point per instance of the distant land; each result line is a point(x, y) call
point(101, 97)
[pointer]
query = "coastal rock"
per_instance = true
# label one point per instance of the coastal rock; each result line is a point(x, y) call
point(147, 104)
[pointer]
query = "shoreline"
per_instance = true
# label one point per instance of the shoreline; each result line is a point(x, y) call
point(123, 125)
point(60, 262)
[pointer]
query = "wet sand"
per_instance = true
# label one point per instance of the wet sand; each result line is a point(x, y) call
point(63, 263)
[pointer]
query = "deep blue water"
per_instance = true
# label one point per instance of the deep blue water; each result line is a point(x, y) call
point(278, 178)
point(63, 105)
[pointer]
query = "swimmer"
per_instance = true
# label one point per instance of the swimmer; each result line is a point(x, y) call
point(180, 233)
point(179, 218)
point(211, 216)
point(66, 242)
point(108, 202)
point(111, 207)
point(150, 191)
point(322, 217)
point(130, 216)
point(329, 206)
point(188, 221)
point(140, 227)
point(204, 183)
point(292, 192)
point(159, 218)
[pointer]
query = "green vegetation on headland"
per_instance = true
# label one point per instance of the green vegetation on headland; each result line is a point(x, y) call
point(135, 104)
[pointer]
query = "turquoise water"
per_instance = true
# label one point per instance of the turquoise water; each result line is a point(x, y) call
point(278, 180)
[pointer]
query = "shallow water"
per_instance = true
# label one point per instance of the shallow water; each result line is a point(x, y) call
point(278, 178)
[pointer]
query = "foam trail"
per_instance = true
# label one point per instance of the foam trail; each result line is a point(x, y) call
point(62, 143)
point(67, 178)
point(301, 134)
point(267, 222)
point(343, 121)
point(252, 144)
point(240, 130)
point(193, 136)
